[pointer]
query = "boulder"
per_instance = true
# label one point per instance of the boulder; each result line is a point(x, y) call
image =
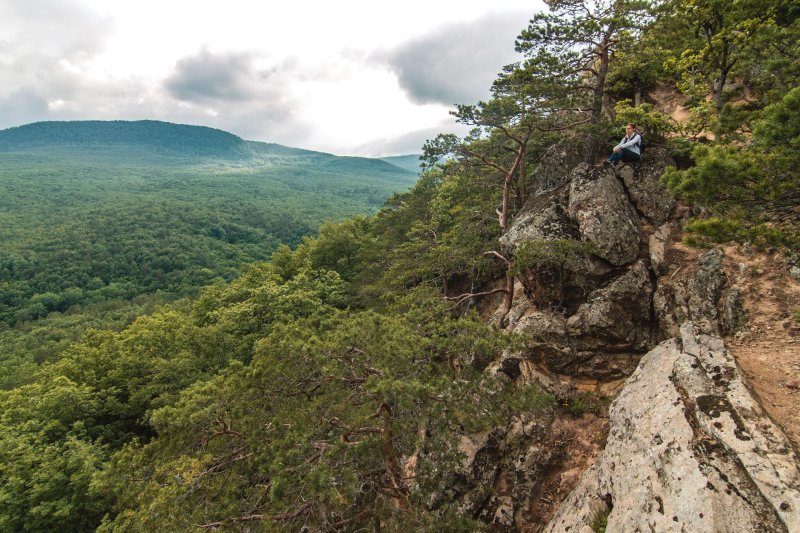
point(602, 341)
point(599, 205)
point(616, 316)
point(689, 449)
point(643, 183)
point(696, 297)
point(542, 218)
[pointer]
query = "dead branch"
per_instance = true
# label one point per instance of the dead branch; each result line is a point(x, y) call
point(294, 514)
point(248, 518)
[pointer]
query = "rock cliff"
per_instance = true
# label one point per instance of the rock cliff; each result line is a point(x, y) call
point(689, 449)
point(611, 304)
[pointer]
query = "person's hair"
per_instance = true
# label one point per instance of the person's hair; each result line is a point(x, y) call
point(631, 124)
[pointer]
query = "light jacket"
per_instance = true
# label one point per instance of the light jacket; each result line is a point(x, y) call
point(633, 143)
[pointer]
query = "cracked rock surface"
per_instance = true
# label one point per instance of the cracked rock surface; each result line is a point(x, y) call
point(689, 449)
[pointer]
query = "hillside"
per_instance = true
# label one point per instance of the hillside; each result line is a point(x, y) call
point(154, 135)
point(409, 162)
point(93, 212)
point(529, 339)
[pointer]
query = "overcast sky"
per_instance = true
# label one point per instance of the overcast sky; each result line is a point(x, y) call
point(351, 77)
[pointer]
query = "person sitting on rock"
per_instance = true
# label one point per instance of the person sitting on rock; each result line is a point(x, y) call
point(628, 149)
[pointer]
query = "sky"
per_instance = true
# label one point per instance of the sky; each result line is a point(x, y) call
point(349, 77)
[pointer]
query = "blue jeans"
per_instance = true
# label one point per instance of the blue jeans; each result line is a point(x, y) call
point(626, 155)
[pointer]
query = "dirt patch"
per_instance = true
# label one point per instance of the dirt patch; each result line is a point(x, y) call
point(670, 101)
point(768, 349)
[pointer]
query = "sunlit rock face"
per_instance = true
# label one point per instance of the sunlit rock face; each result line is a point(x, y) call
point(689, 449)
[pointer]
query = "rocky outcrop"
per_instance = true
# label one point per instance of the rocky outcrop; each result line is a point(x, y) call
point(651, 198)
point(590, 315)
point(605, 217)
point(689, 449)
point(703, 296)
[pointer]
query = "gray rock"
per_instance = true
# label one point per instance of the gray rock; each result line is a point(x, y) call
point(542, 218)
point(603, 340)
point(643, 184)
point(689, 450)
point(795, 272)
point(707, 286)
point(617, 316)
point(658, 244)
point(698, 297)
point(734, 316)
point(600, 206)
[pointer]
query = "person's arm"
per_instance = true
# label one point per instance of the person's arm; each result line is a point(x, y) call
point(635, 139)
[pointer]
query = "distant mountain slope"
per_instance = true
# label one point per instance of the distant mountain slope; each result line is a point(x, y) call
point(409, 162)
point(92, 211)
point(154, 134)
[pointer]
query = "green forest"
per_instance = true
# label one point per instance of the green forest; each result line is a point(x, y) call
point(201, 339)
point(101, 220)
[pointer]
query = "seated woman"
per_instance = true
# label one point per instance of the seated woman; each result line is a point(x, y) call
point(628, 149)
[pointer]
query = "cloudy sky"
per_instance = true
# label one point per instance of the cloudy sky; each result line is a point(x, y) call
point(351, 77)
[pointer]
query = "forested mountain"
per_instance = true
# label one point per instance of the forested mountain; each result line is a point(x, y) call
point(93, 211)
point(409, 162)
point(97, 212)
point(154, 135)
point(447, 362)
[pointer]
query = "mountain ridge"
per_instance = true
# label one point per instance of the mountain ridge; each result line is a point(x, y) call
point(163, 137)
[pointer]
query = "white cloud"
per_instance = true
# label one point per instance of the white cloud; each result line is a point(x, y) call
point(305, 74)
point(456, 63)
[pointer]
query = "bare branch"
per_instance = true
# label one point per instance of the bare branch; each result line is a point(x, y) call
point(462, 297)
point(499, 256)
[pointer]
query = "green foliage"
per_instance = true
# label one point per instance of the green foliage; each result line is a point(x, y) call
point(654, 125)
point(558, 254)
point(753, 185)
point(324, 411)
point(584, 402)
point(600, 520)
point(637, 66)
point(716, 230)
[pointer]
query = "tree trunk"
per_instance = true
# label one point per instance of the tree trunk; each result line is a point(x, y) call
point(724, 69)
point(509, 300)
point(597, 97)
point(507, 187)
point(522, 171)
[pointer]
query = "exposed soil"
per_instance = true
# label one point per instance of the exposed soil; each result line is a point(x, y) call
point(768, 349)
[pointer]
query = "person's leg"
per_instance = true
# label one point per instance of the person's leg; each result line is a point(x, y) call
point(615, 156)
point(629, 156)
